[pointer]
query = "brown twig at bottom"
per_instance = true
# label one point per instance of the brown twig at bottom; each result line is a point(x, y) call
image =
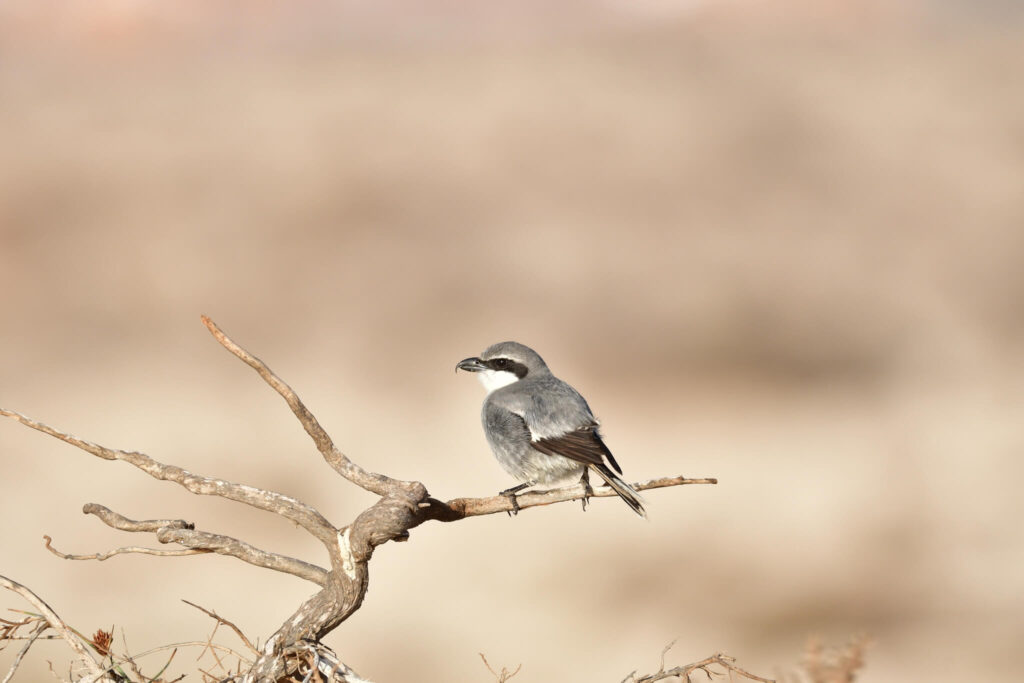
point(683, 672)
point(222, 620)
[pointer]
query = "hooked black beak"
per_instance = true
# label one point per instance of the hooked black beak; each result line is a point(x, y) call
point(471, 365)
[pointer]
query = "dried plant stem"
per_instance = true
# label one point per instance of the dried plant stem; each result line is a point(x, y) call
point(227, 623)
point(683, 672)
point(36, 632)
point(120, 551)
point(96, 673)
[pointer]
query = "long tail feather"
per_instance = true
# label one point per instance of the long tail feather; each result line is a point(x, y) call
point(625, 491)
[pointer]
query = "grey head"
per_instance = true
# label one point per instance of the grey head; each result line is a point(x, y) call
point(504, 363)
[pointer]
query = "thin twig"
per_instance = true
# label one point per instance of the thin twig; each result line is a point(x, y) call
point(213, 652)
point(121, 551)
point(505, 673)
point(683, 672)
point(50, 637)
point(36, 632)
point(57, 624)
point(302, 514)
point(202, 542)
point(164, 668)
point(130, 659)
point(209, 642)
point(370, 481)
point(227, 623)
point(460, 508)
point(126, 659)
point(663, 653)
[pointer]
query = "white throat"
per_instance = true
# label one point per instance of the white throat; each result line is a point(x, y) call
point(496, 379)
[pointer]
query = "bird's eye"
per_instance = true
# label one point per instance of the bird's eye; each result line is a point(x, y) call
point(501, 362)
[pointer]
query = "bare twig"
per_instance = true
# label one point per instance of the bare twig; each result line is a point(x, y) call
point(371, 481)
point(664, 652)
point(127, 658)
point(460, 508)
point(187, 643)
point(222, 620)
point(505, 673)
point(49, 637)
point(300, 513)
point(120, 551)
point(118, 660)
point(213, 652)
point(57, 624)
point(197, 542)
point(36, 632)
point(226, 545)
point(683, 672)
point(15, 624)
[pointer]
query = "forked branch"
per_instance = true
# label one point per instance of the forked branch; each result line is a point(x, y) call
point(371, 481)
point(402, 505)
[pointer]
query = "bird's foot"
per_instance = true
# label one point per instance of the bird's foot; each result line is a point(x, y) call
point(512, 499)
point(511, 495)
point(588, 491)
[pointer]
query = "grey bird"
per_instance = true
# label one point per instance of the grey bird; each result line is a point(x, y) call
point(540, 429)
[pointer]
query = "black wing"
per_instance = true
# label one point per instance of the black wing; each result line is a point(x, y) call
point(583, 445)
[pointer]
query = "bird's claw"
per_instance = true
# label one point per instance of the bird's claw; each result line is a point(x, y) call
point(511, 495)
point(588, 491)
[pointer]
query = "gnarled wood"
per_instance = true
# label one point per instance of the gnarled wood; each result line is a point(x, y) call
point(401, 506)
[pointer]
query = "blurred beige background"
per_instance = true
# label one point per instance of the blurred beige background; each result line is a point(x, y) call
point(779, 243)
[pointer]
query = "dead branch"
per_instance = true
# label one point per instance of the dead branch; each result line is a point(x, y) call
point(294, 510)
point(505, 674)
point(195, 542)
point(683, 672)
point(36, 632)
point(119, 551)
point(222, 620)
point(460, 508)
point(402, 506)
point(188, 643)
point(371, 481)
point(232, 547)
point(96, 673)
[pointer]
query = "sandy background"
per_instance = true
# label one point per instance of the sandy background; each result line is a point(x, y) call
point(777, 243)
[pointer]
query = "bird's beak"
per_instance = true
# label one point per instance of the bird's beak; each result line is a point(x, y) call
point(470, 365)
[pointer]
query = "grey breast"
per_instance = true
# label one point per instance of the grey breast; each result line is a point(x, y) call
point(541, 407)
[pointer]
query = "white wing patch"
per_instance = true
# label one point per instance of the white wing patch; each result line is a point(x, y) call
point(546, 434)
